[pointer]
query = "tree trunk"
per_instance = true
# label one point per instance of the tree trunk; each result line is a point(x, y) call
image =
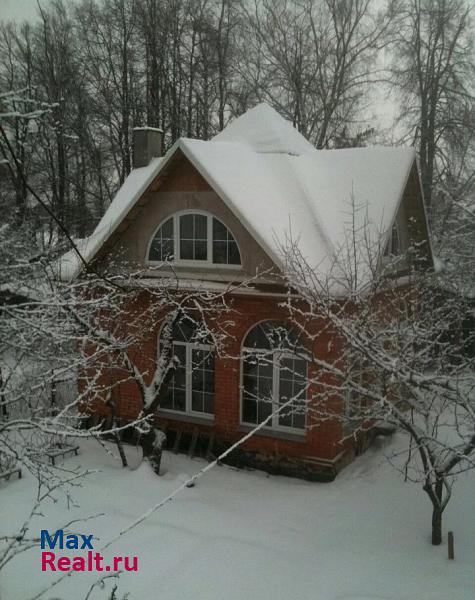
point(152, 446)
point(437, 513)
point(117, 438)
point(436, 526)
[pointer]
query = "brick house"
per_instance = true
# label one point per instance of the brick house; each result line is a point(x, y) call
point(217, 210)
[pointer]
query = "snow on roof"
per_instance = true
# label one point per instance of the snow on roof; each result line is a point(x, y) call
point(309, 196)
point(275, 182)
point(263, 130)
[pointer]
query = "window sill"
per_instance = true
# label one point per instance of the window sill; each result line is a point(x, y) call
point(274, 433)
point(185, 417)
point(193, 264)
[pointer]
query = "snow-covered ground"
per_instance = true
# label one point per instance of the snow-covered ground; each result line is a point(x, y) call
point(244, 535)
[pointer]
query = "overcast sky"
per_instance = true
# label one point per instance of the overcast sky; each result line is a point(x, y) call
point(19, 10)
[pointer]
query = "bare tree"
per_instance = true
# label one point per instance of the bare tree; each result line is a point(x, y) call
point(433, 68)
point(402, 362)
point(314, 61)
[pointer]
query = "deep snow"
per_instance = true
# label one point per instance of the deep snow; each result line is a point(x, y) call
point(241, 535)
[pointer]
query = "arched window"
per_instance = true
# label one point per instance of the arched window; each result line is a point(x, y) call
point(191, 389)
point(274, 371)
point(194, 236)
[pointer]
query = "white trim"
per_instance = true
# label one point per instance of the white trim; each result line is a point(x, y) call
point(275, 386)
point(189, 347)
point(208, 263)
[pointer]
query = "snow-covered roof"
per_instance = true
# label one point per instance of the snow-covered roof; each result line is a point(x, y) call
point(276, 182)
point(263, 130)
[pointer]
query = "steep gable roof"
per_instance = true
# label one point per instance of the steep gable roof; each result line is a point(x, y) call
point(275, 182)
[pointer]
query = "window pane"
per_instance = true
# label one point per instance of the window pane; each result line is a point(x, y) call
point(264, 410)
point(155, 251)
point(225, 250)
point(179, 378)
point(250, 364)
point(266, 365)
point(249, 411)
point(208, 403)
point(257, 392)
point(197, 379)
point(162, 245)
point(183, 331)
point(201, 227)
point(273, 335)
point(298, 420)
point(285, 390)
point(197, 401)
point(208, 360)
point(186, 227)
point(193, 237)
point(257, 338)
point(167, 229)
point(285, 418)
point(186, 250)
point(220, 252)
point(201, 251)
point(202, 380)
point(249, 385)
point(208, 383)
point(264, 388)
point(292, 382)
point(167, 400)
point(234, 258)
point(167, 249)
point(180, 352)
point(179, 400)
point(220, 232)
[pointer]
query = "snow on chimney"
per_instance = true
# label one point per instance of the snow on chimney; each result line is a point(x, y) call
point(147, 144)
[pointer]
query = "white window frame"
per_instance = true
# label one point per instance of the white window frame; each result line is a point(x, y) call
point(208, 263)
point(189, 347)
point(277, 355)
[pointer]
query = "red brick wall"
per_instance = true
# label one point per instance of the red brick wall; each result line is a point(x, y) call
point(321, 439)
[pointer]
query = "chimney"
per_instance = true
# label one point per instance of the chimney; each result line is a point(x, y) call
point(147, 144)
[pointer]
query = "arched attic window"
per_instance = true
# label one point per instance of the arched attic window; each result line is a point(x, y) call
point(191, 389)
point(274, 370)
point(194, 237)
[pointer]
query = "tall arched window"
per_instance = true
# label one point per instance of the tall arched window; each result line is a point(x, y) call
point(273, 372)
point(196, 237)
point(191, 388)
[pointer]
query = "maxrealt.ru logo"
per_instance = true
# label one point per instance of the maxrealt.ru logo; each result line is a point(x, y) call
point(88, 561)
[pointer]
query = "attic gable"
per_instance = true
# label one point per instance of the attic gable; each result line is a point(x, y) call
point(276, 184)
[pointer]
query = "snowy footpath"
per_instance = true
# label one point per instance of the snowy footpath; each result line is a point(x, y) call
point(243, 535)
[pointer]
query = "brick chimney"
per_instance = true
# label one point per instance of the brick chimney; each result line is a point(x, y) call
point(147, 144)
